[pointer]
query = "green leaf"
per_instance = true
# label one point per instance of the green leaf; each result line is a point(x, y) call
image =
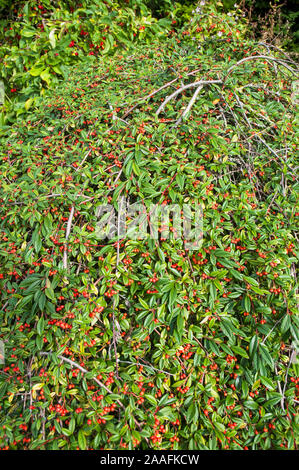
point(50, 293)
point(240, 351)
point(82, 440)
point(268, 383)
point(28, 33)
point(253, 345)
point(251, 281)
point(52, 38)
point(151, 399)
point(45, 75)
point(266, 355)
point(285, 324)
point(252, 405)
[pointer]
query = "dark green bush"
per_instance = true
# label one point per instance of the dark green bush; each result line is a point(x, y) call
point(137, 344)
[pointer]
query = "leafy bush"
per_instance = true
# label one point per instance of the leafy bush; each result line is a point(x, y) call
point(144, 343)
point(38, 42)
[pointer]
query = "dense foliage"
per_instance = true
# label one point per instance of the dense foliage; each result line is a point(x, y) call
point(144, 343)
point(39, 40)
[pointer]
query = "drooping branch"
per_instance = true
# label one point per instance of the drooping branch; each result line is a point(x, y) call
point(82, 369)
point(265, 57)
point(150, 95)
point(199, 84)
point(183, 88)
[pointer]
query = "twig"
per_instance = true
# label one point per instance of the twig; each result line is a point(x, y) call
point(264, 340)
point(279, 50)
point(42, 412)
point(149, 366)
point(279, 388)
point(115, 117)
point(147, 97)
point(85, 371)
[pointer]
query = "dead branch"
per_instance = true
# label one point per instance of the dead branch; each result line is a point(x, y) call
point(68, 231)
point(183, 88)
point(265, 57)
point(190, 104)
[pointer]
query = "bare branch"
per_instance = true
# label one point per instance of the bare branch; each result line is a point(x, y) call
point(68, 231)
point(183, 88)
point(190, 104)
point(265, 57)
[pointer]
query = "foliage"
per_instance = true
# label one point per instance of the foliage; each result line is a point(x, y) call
point(146, 344)
point(40, 40)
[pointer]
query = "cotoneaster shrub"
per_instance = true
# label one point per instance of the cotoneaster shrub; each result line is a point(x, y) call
point(150, 345)
point(38, 40)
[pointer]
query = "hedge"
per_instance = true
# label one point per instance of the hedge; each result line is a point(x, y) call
point(142, 343)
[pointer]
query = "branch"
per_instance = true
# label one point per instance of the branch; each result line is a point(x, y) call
point(265, 57)
point(149, 366)
point(279, 50)
point(68, 231)
point(190, 104)
point(157, 91)
point(183, 88)
point(115, 117)
point(85, 371)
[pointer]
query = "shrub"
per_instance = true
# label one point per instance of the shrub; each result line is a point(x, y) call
point(134, 343)
point(38, 42)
